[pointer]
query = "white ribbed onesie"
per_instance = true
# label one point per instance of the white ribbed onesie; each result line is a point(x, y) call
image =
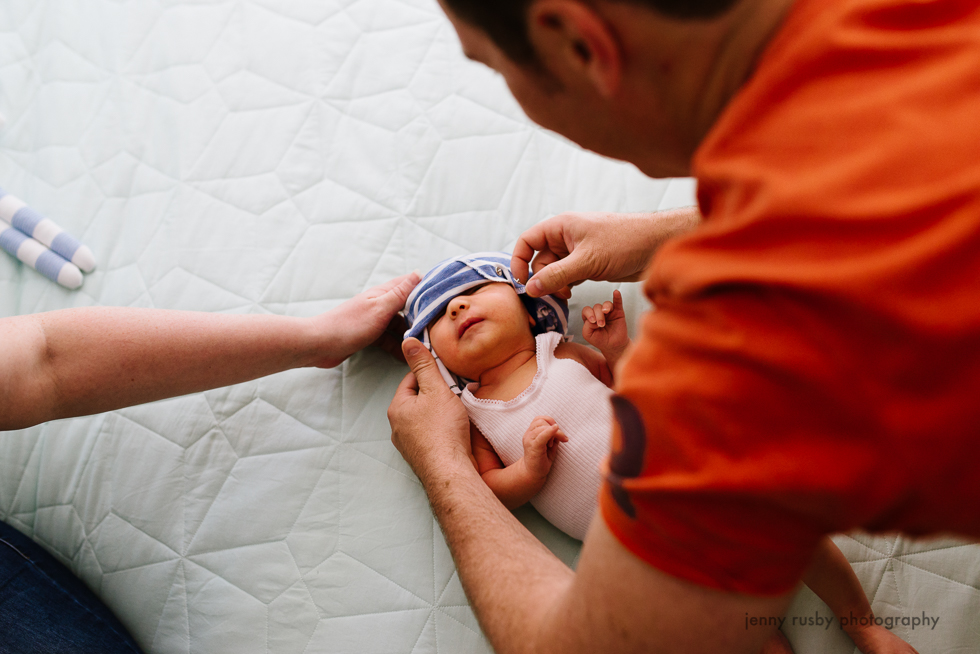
point(566, 391)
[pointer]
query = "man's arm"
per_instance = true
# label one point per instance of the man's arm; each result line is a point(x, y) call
point(832, 578)
point(525, 598)
point(82, 361)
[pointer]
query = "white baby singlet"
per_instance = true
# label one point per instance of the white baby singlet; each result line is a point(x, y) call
point(566, 391)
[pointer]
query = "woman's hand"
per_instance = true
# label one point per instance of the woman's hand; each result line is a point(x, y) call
point(368, 318)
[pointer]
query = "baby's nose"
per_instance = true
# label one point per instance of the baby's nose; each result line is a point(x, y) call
point(456, 307)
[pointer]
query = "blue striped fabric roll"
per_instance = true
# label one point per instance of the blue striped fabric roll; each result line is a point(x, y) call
point(17, 214)
point(51, 265)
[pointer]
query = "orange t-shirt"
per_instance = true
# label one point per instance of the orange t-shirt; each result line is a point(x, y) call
point(813, 364)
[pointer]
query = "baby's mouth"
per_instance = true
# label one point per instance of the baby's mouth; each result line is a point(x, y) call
point(469, 322)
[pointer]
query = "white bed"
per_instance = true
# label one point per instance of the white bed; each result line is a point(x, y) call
point(256, 156)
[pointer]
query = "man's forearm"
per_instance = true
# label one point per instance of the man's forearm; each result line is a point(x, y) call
point(832, 578)
point(674, 222)
point(82, 361)
point(510, 578)
point(652, 230)
point(527, 601)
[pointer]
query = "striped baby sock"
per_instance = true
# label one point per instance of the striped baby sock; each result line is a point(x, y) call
point(18, 215)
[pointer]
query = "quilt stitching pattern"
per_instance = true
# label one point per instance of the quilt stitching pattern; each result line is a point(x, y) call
point(254, 156)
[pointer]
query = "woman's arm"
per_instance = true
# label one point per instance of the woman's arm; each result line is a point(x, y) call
point(82, 361)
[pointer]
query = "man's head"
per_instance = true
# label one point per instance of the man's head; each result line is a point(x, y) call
point(505, 21)
point(637, 80)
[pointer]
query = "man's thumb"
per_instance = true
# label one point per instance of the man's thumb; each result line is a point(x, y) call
point(420, 360)
point(553, 277)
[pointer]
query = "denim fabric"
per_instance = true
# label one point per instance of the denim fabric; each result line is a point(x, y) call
point(45, 608)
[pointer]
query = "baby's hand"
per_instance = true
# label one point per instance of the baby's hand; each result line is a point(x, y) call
point(605, 325)
point(541, 445)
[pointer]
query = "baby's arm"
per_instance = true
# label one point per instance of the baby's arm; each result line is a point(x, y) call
point(831, 577)
point(515, 484)
point(604, 327)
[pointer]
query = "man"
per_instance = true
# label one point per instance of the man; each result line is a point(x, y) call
point(812, 360)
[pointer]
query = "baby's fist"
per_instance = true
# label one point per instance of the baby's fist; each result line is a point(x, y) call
point(541, 445)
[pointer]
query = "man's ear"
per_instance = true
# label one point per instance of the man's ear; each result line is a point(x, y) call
point(572, 36)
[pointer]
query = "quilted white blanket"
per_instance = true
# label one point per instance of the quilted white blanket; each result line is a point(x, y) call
point(261, 156)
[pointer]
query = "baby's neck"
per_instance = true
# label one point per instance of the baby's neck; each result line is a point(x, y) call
point(510, 378)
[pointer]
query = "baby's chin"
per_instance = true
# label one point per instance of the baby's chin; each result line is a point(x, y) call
point(465, 372)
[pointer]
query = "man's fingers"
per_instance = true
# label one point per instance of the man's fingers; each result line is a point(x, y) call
point(555, 276)
point(520, 260)
point(543, 259)
point(546, 236)
point(409, 386)
point(408, 389)
point(420, 360)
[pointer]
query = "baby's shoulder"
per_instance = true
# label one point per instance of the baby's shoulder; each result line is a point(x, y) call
point(593, 361)
point(574, 351)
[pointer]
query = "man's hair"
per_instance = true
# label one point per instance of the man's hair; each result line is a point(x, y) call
point(505, 21)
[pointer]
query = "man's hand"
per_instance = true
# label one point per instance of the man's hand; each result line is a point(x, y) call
point(573, 247)
point(368, 318)
point(541, 446)
point(876, 639)
point(429, 425)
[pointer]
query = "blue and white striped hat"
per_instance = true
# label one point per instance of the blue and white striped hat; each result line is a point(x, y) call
point(459, 274)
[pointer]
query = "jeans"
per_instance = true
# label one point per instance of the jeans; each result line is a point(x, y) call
point(45, 608)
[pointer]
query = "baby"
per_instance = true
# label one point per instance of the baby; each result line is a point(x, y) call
point(539, 406)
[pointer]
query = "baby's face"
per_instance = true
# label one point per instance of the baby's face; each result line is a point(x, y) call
point(480, 329)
